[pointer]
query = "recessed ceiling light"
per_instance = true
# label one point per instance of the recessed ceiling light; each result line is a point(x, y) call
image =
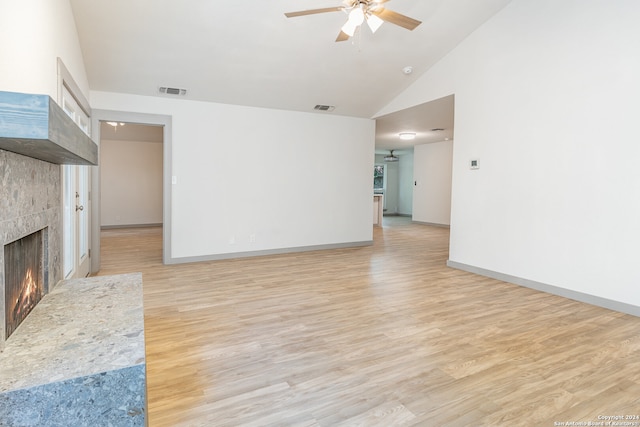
point(407, 136)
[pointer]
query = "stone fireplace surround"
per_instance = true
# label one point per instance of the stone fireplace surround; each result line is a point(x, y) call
point(78, 358)
point(36, 136)
point(30, 200)
point(51, 374)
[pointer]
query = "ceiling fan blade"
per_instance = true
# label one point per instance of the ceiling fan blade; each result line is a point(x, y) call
point(314, 11)
point(396, 18)
point(342, 37)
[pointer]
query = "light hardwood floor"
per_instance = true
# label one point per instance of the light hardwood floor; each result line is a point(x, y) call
point(385, 335)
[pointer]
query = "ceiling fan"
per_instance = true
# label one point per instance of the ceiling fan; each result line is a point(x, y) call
point(391, 157)
point(359, 11)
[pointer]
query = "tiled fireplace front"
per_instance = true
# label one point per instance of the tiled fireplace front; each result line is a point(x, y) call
point(30, 201)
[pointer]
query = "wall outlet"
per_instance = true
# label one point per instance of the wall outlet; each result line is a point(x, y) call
point(252, 238)
point(474, 164)
point(232, 240)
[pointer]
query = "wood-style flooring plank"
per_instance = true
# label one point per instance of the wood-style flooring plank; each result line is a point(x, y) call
point(384, 335)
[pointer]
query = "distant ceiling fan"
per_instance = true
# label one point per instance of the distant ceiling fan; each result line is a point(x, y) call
point(359, 11)
point(391, 157)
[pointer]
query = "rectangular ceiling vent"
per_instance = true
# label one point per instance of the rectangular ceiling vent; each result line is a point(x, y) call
point(324, 107)
point(173, 91)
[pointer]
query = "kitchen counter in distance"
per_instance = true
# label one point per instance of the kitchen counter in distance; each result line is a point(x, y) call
point(378, 209)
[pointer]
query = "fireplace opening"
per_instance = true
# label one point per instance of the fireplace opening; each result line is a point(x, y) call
point(23, 279)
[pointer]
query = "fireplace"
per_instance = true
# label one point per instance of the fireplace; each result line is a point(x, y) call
point(36, 137)
point(24, 278)
point(30, 196)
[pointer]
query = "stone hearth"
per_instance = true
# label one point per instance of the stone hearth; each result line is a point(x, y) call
point(78, 358)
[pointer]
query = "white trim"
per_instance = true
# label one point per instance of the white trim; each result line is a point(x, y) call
point(550, 289)
point(65, 79)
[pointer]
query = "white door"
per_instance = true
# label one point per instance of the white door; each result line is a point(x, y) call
point(76, 203)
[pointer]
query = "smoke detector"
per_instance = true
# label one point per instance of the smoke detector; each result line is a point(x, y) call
point(407, 70)
point(172, 90)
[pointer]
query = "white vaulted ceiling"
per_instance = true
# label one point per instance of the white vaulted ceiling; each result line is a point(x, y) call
point(249, 53)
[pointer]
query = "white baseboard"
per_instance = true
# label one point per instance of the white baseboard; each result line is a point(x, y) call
point(555, 290)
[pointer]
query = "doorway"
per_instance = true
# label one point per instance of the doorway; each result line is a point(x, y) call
point(128, 138)
point(76, 206)
point(421, 178)
point(76, 213)
point(130, 175)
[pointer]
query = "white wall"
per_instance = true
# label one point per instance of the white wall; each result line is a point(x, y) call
point(546, 98)
point(391, 193)
point(405, 184)
point(272, 174)
point(33, 34)
point(432, 175)
point(131, 183)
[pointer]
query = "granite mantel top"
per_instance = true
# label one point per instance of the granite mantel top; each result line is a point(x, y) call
point(82, 327)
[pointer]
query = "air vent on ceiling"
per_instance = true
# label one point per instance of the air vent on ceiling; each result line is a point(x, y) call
point(172, 91)
point(324, 107)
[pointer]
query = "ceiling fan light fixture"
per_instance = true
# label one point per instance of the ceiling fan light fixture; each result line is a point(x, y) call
point(356, 15)
point(407, 136)
point(356, 18)
point(349, 28)
point(374, 23)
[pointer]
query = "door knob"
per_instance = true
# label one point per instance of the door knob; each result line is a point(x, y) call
point(79, 208)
